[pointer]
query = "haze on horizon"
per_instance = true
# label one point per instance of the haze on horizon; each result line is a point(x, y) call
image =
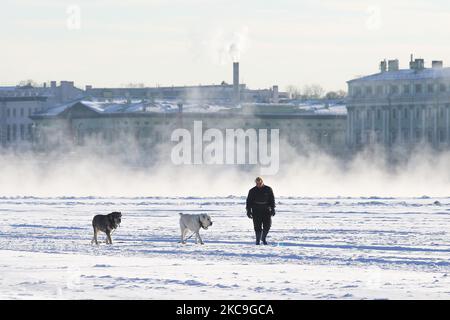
point(190, 42)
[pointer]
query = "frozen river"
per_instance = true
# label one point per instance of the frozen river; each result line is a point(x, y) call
point(320, 248)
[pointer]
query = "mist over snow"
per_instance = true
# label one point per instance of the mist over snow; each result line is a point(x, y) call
point(314, 173)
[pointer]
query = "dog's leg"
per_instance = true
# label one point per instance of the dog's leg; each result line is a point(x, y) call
point(108, 237)
point(200, 238)
point(183, 231)
point(95, 237)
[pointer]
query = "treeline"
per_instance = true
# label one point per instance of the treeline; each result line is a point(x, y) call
point(314, 91)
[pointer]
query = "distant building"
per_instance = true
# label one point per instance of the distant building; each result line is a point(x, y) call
point(400, 107)
point(149, 124)
point(224, 93)
point(18, 103)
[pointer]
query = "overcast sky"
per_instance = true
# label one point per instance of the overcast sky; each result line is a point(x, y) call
point(184, 42)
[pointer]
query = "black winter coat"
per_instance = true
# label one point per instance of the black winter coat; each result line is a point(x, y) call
point(259, 200)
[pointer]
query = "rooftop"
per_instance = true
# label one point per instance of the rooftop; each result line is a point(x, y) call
point(407, 74)
point(123, 107)
point(31, 91)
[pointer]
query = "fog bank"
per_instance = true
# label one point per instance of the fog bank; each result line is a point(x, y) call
point(314, 174)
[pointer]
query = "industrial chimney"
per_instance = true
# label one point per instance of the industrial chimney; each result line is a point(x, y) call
point(275, 94)
point(412, 63)
point(236, 93)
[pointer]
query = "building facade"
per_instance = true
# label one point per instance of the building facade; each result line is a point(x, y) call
point(146, 128)
point(18, 103)
point(400, 107)
point(16, 127)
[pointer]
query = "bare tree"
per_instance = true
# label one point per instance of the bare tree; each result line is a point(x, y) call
point(313, 91)
point(134, 85)
point(341, 94)
point(336, 95)
point(28, 82)
point(293, 91)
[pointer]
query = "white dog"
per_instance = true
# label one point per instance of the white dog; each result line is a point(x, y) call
point(194, 222)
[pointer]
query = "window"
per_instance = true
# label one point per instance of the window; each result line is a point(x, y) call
point(14, 112)
point(417, 134)
point(378, 136)
point(406, 89)
point(358, 137)
point(22, 113)
point(8, 112)
point(378, 114)
point(441, 135)
point(393, 136)
point(393, 89)
point(369, 90)
point(8, 133)
point(379, 89)
point(430, 88)
point(22, 131)
point(394, 114)
point(418, 88)
point(405, 135)
point(442, 87)
point(14, 132)
point(405, 113)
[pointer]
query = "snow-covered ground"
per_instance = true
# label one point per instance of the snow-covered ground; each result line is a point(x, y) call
point(320, 248)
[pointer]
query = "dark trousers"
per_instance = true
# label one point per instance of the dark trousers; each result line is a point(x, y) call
point(262, 221)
